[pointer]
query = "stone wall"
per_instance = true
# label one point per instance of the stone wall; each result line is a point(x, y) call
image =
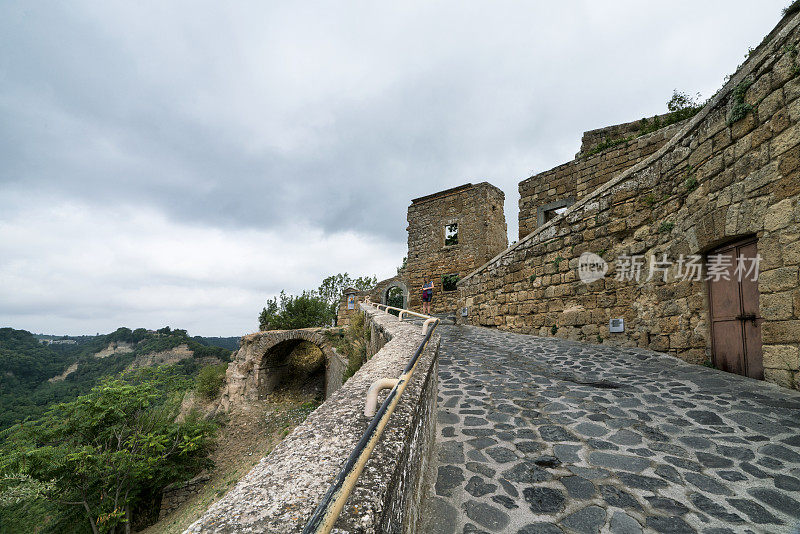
point(572, 181)
point(282, 490)
point(732, 171)
point(376, 294)
point(592, 138)
point(478, 211)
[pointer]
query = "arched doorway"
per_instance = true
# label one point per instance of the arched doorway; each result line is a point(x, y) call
point(395, 294)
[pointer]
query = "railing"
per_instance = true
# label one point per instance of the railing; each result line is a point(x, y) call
point(328, 510)
point(401, 312)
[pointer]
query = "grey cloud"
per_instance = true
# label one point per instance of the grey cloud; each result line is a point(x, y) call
point(259, 116)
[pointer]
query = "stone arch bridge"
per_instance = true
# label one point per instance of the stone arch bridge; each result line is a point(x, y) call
point(261, 364)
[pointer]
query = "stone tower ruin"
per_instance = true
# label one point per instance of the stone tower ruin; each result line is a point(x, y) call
point(450, 234)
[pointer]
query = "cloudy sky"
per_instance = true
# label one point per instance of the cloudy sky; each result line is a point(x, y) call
point(177, 163)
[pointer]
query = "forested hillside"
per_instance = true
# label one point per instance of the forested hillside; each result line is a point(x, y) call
point(34, 375)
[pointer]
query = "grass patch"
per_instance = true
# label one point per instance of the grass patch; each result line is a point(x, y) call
point(690, 184)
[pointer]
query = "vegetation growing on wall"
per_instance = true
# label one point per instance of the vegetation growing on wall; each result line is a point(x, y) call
point(681, 106)
point(449, 282)
point(792, 8)
point(394, 297)
point(739, 108)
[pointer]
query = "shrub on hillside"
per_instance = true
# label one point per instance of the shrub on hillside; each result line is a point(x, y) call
point(102, 457)
point(210, 379)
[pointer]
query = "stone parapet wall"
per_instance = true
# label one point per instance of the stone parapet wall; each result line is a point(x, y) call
point(574, 180)
point(592, 138)
point(717, 180)
point(279, 494)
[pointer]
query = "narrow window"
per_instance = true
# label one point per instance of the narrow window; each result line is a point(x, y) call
point(549, 215)
point(451, 234)
point(449, 282)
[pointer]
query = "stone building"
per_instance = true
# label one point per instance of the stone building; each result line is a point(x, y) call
point(719, 190)
point(450, 234)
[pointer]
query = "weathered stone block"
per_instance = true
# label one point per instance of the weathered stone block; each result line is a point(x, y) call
point(700, 154)
point(781, 357)
point(787, 139)
point(791, 251)
point(770, 104)
point(791, 89)
point(777, 306)
point(780, 215)
point(743, 126)
point(783, 70)
point(776, 332)
point(780, 279)
point(780, 377)
point(758, 90)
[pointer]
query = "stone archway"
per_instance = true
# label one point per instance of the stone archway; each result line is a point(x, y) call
point(261, 364)
point(294, 362)
point(392, 285)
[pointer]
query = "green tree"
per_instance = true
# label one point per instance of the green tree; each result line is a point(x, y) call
point(288, 312)
point(311, 308)
point(104, 453)
point(332, 287)
point(395, 297)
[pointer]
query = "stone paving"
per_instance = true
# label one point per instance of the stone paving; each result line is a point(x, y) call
point(538, 435)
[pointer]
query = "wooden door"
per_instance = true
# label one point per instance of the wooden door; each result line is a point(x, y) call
point(735, 318)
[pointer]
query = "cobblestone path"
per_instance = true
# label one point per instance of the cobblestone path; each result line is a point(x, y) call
point(537, 435)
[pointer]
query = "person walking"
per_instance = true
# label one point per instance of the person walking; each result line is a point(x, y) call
point(427, 294)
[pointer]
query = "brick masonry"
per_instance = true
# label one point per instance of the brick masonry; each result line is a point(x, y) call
point(713, 182)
